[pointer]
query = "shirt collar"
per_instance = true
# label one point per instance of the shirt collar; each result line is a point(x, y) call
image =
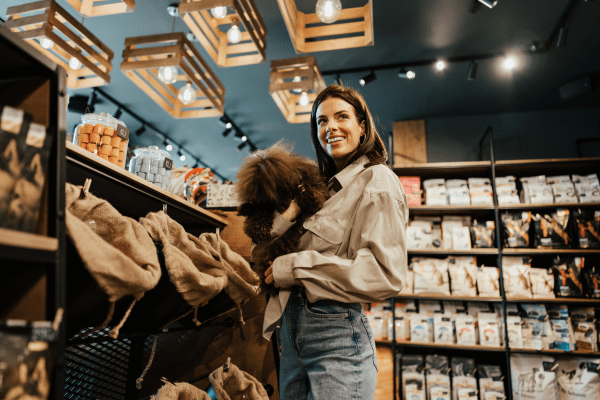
point(347, 175)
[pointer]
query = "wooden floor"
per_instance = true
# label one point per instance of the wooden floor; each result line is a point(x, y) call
point(385, 375)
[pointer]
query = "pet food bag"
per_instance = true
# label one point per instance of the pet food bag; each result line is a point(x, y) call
point(463, 276)
point(419, 328)
point(515, 227)
point(489, 329)
point(413, 377)
point(587, 225)
point(552, 231)
point(542, 283)
point(515, 332)
point(465, 330)
point(584, 329)
point(516, 281)
point(577, 379)
point(420, 235)
point(567, 276)
point(491, 386)
point(592, 279)
point(463, 378)
point(443, 329)
point(483, 235)
point(430, 276)
point(532, 377)
point(438, 379)
point(488, 281)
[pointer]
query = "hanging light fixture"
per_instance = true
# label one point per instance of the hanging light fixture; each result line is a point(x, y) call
point(489, 3)
point(365, 80)
point(45, 25)
point(95, 8)
point(234, 35)
point(296, 80)
point(440, 65)
point(304, 99)
point(328, 11)
point(167, 74)
point(219, 12)
point(403, 73)
point(168, 146)
point(509, 63)
point(181, 155)
point(187, 94)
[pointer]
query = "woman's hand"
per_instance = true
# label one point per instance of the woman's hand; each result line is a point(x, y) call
point(269, 275)
point(292, 212)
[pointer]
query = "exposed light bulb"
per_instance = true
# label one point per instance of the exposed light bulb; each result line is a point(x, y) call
point(74, 63)
point(234, 35)
point(182, 158)
point(167, 75)
point(328, 11)
point(46, 43)
point(440, 65)
point(219, 12)
point(509, 63)
point(304, 99)
point(244, 138)
point(406, 74)
point(187, 94)
point(169, 147)
point(297, 79)
point(228, 125)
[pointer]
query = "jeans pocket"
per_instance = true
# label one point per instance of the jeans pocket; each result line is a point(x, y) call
point(325, 310)
point(371, 340)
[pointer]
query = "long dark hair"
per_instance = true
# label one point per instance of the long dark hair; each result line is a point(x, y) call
point(372, 146)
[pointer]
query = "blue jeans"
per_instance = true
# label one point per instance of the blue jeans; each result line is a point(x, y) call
point(327, 351)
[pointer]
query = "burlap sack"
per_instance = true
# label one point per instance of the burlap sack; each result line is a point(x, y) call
point(119, 255)
point(180, 391)
point(235, 384)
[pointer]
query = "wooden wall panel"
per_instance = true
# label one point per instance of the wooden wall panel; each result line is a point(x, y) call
point(410, 144)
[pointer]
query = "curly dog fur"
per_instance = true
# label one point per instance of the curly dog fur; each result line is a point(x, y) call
point(268, 181)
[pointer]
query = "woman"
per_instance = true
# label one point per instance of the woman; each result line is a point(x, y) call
point(353, 252)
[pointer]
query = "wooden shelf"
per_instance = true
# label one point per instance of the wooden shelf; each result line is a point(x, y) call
point(445, 169)
point(444, 297)
point(450, 346)
point(555, 352)
point(532, 167)
point(132, 195)
point(521, 252)
point(558, 300)
point(441, 210)
point(438, 252)
point(29, 247)
point(532, 207)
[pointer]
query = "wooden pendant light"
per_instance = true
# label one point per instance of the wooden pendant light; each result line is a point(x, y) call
point(208, 30)
point(290, 80)
point(309, 34)
point(105, 7)
point(144, 55)
point(45, 21)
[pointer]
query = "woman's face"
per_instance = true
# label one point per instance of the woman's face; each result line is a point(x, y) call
point(339, 129)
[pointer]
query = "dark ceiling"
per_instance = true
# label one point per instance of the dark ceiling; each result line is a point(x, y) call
point(404, 31)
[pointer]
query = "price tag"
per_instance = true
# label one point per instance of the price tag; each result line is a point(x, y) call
point(122, 132)
point(168, 164)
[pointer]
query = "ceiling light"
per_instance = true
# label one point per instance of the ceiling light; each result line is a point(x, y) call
point(168, 146)
point(304, 99)
point(219, 12)
point(173, 10)
point(187, 94)
point(328, 11)
point(74, 63)
point(46, 43)
point(167, 74)
point(241, 146)
point(225, 122)
point(118, 113)
point(440, 65)
point(244, 138)
point(489, 3)
point(367, 79)
point(406, 74)
point(297, 79)
point(181, 155)
point(234, 35)
point(338, 80)
point(561, 40)
point(141, 130)
point(472, 71)
point(509, 63)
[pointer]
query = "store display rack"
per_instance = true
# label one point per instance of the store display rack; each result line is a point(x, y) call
point(491, 169)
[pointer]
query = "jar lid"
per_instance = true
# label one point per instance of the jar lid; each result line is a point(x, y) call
point(104, 118)
point(153, 151)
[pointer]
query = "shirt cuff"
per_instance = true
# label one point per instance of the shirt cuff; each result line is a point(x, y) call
point(280, 225)
point(282, 271)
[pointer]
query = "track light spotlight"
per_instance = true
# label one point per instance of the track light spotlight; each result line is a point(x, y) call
point(509, 63)
point(92, 101)
point(440, 65)
point(561, 39)
point(472, 71)
point(367, 79)
point(226, 132)
point(241, 146)
point(244, 138)
point(118, 113)
point(338, 80)
point(181, 155)
point(225, 122)
point(403, 73)
point(141, 130)
point(168, 146)
point(489, 3)
point(173, 10)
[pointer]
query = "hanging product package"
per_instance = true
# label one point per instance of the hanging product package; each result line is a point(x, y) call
point(413, 377)
point(463, 276)
point(532, 377)
point(515, 227)
point(24, 153)
point(27, 359)
point(587, 225)
point(552, 231)
point(430, 276)
point(567, 276)
point(438, 380)
point(464, 384)
point(578, 378)
point(491, 385)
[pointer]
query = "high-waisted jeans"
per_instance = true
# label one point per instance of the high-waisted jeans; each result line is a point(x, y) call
point(327, 351)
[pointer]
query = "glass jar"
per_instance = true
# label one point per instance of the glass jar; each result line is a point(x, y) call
point(153, 165)
point(101, 134)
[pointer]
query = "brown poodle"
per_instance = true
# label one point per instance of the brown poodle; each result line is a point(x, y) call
point(268, 181)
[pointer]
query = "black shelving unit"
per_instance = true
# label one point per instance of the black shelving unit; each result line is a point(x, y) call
point(491, 169)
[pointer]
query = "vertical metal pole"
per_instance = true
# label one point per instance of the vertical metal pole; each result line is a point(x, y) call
point(499, 246)
point(394, 345)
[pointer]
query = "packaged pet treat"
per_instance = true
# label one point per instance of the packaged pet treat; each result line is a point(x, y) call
point(402, 326)
point(587, 225)
point(480, 190)
point(413, 377)
point(443, 330)
point(419, 235)
point(412, 189)
point(542, 283)
point(584, 329)
point(516, 281)
point(419, 328)
point(452, 308)
point(532, 333)
point(435, 192)
point(536, 190)
point(535, 311)
point(463, 376)
point(465, 330)
point(562, 335)
point(515, 333)
point(448, 227)
point(430, 308)
point(587, 188)
point(430, 276)
point(564, 193)
point(592, 279)
point(483, 235)
point(577, 378)
point(474, 308)
point(491, 385)
point(488, 281)
point(506, 189)
point(552, 230)
point(489, 329)
point(515, 228)
point(532, 377)
point(461, 238)
point(463, 276)
point(567, 276)
point(405, 306)
point(437, 376)
point(410, 282)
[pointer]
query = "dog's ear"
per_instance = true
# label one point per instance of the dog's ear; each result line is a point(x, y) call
point(314, 192)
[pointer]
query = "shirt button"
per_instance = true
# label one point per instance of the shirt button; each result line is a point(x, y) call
point(318, 227)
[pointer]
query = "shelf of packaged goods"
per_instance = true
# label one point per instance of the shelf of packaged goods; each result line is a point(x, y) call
point(532, 207)
point(132, 195)
point(556, 352)
point(446, 169)
point(450, 297)
point(523, 252)
point(441, 252)
point(384, 342)
point(16, 245)
point(451, 210)
point(548, 167)
point(558, 300)
point(449, 346)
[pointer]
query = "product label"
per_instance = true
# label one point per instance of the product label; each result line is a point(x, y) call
point(36, 135)
point(168, 164)
point(122, 132)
